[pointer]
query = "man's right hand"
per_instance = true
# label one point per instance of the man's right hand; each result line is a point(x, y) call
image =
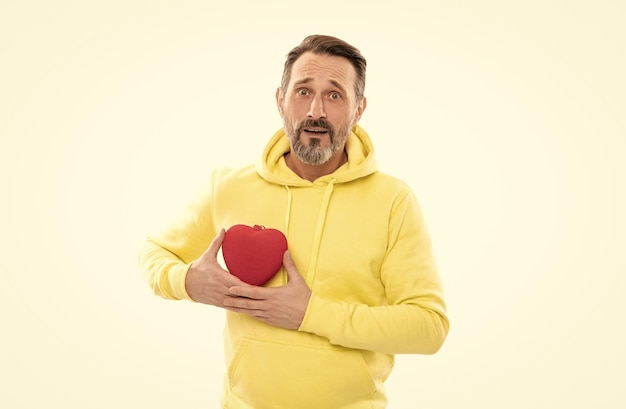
point(207, 282)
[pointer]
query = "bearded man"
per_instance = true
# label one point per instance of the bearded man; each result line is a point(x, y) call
point(358, 282)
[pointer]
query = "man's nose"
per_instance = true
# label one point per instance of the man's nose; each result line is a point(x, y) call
point(316, 109)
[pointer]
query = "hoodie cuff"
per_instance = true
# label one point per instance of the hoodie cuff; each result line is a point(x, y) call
point(321, 317)
point(177, 278)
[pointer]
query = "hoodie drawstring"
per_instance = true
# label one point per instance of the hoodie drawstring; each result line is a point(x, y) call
point(286, 232)
point(288, 212)
point(319, 230)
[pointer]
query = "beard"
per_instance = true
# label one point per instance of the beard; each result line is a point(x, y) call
point(313, 153)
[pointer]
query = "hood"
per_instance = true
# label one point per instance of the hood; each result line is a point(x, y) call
point(361, 162)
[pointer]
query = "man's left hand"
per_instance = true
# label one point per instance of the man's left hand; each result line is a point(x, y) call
point(283, 306)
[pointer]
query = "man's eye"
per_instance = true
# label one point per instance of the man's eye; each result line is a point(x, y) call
point(302, 91)
point(334, 95)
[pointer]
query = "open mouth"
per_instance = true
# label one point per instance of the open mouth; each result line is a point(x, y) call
point(316, 131)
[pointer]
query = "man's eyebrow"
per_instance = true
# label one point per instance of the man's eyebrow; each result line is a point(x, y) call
point(303, 81)
point(338, 85)
point(309, 79)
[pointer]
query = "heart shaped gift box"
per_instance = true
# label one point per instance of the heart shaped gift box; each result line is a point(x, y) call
point(253, 254)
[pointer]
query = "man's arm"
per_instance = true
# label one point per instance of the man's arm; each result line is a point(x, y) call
point(203, 280)
point(413, 328)
point(164, 271)
point(181, 260)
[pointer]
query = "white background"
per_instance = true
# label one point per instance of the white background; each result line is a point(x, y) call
point(507, 119)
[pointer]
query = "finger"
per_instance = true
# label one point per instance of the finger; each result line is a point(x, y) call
point(243, 304)
point(249, 291)
point(215, 245)
point(258, 314)
point(290, 267)
point(233, 281)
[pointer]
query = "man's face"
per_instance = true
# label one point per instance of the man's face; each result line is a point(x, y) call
point(319, 106)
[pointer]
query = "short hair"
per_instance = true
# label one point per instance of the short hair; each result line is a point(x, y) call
point(323, 44)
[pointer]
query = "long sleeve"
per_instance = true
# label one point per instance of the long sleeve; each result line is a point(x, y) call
point(414, 319)
point(391, 329)
point(166, 256)
point(164, 271)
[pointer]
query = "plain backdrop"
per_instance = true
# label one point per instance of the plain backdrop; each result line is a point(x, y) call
point(507, 118)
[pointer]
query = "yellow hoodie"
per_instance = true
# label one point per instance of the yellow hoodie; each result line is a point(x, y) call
point(358, 238)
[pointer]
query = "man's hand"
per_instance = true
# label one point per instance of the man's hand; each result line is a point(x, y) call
point(279, 306)
point(207, 282)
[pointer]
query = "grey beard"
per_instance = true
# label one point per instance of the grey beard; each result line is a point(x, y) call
point(313, 154)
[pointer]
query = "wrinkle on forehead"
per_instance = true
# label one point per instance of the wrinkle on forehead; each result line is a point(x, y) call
point(334, 69)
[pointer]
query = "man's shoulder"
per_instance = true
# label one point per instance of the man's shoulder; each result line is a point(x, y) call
point(229, 173)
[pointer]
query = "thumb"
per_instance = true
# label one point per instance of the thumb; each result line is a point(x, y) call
point(290, 267)
point(214, 248)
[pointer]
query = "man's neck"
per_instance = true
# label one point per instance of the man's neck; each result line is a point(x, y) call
point(312, 172)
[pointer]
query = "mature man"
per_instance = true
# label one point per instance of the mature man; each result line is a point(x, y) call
point(358, 283)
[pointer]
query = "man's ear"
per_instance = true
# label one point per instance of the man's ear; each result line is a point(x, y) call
point(359, 110)
point(279, 100)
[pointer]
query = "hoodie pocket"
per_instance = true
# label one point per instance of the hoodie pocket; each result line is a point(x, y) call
point(273, 375)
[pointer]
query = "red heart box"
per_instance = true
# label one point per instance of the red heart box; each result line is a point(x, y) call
point(254, 254)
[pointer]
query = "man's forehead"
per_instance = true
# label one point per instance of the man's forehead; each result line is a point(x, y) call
point(311, 66)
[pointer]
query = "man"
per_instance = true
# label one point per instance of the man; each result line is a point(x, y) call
point(358, 283)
